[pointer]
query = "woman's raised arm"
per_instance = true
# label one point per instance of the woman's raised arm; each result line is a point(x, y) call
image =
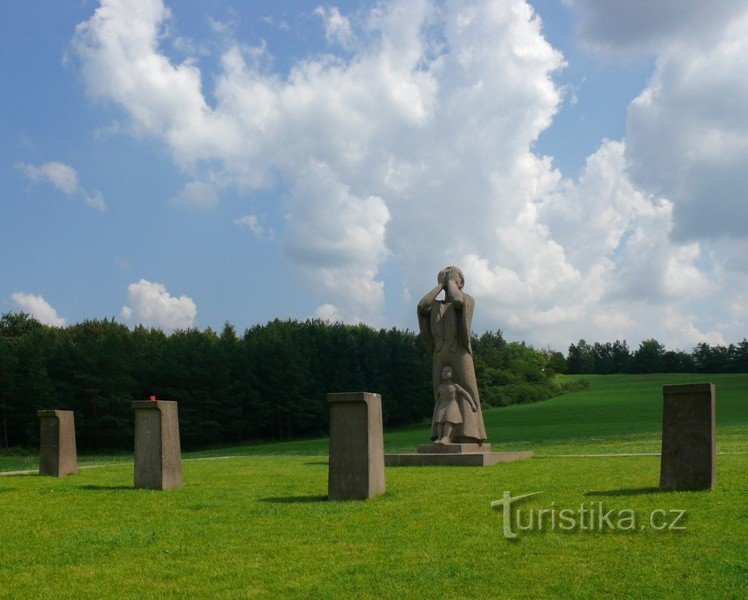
point(424, 306)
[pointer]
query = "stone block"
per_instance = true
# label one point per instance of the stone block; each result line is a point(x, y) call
point(688, 458)
point(453, 455)
point(468, 459)
point(158, 454)
point(453, 448)
point(57, 452)
point(356, 446)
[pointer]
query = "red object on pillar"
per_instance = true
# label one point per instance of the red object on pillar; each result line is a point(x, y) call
point(152, 398)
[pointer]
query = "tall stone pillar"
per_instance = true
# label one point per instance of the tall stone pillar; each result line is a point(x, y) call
point(688, 459)
point(57, 453)
point(356, 469)
point(158, 455)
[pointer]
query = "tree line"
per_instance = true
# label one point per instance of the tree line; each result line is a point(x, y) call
point(270, 383)
point(651, 357)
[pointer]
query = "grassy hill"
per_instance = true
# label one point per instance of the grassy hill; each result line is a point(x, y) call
point(617, 413)
point(258, 524)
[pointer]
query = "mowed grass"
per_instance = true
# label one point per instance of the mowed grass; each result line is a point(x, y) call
point(258, 524)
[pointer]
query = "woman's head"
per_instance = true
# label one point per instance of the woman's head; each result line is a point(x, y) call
point(451, 273)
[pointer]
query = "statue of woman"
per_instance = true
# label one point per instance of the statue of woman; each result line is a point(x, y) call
point(445, 327)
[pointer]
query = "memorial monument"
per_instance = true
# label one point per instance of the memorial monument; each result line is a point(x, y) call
point(689, 451)
point(356, 470)
point(457, 429)
point(158, 455)
point(57, 452)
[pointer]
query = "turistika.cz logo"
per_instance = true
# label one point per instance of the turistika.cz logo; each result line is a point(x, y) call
point(589, 517)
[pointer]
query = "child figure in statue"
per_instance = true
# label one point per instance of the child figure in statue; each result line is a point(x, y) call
point(447, 411)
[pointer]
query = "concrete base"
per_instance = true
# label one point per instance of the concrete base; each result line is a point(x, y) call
point(158, 455)
point(453, 448)
point(57, 453)
point(356, 469)
point(688, 457)
point(453, 459)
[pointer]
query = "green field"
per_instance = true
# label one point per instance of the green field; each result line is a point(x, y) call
point(254, 522)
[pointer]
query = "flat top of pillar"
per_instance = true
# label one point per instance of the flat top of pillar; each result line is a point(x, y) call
point(366, 397)
point(140, 404)
point(688, 388)
point(52, 413)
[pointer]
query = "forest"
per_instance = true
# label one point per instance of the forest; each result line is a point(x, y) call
point(651, 357)
point(270, 383)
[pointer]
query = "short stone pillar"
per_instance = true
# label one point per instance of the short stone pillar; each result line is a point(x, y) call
point(688, 459)
point(158, 454)
point(57, 453)
point(356, 469)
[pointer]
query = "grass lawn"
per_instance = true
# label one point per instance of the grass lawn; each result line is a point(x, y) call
point(258, 524)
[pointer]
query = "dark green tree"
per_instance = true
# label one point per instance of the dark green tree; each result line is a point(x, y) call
point(649, 357)
point(581, 358)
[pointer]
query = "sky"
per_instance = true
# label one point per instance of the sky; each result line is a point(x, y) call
point(183, 164)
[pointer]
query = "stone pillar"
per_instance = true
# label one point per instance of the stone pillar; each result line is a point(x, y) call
point(356, 469)
point(158, 455)
point(688, 459)
point(57, 454)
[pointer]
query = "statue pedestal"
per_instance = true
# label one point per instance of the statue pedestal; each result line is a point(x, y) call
point(453, 455)
point(453, 448)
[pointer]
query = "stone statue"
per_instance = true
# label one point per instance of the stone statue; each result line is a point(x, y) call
point(445, 327)
point(447, 411)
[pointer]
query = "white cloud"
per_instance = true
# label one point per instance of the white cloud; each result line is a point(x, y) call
point(38, 308)
point(643, 26)
point(633, 274)
point(417, 144)
point(253, 224)
point(188, 47)
point(151, 305)
point(65, 179)
point(337, 27)
point(687, 133)
point(225, 27)
point(329, 313)
point(199, 194)
point(682, 333)
point(95, 201)
point(60, 175)
point(337, 240)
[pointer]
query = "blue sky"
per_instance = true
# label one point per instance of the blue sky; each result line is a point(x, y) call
point(196, 162)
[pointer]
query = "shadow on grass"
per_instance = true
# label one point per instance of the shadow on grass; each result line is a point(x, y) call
point(7, 490)
point(294, 499)
point(109, 488)
point(628, 492)
point(317, 462)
